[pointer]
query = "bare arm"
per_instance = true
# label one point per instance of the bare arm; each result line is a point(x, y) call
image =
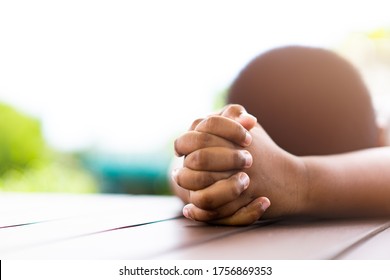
point(355, 184)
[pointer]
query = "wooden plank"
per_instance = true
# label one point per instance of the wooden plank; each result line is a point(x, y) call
point(287, 240)
point(139, 242)
point(183, 239)
point(19, 209)
point(145, 227)
point(74, 216)
point(376, 247)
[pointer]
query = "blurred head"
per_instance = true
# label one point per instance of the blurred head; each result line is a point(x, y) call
point(309, 100)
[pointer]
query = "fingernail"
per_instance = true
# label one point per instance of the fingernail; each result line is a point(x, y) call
point(248, 158)
point(248, 139)
point(265, 203)
point(186, 212)
point(244, 179)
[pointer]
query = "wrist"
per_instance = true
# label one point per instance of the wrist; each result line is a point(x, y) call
point(288, 193)
point(299, 183)
point(304, 187)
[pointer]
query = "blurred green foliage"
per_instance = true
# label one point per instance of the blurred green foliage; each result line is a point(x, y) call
point(27, 163)
point(21, 142)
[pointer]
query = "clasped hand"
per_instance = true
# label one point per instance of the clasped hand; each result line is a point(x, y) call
point(232, 170)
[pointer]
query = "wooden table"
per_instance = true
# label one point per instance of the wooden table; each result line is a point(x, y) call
point(122, 227)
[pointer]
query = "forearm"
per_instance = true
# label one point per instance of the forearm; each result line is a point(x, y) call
point(354, 184)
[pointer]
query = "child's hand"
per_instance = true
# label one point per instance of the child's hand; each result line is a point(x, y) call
point(273, 173)
point(229, 134)
point(217, 182)
point(193, 182)
point(199, 172)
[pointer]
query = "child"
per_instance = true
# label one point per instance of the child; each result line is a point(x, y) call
point(316, 158)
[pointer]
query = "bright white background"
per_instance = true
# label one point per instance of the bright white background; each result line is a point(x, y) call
point(128, 76)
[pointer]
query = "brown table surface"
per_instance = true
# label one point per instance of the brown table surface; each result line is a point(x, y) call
point(63, 226)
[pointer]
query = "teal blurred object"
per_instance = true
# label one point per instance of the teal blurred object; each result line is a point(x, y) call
point(133, 174)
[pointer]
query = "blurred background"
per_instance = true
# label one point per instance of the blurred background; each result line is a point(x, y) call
point(92, 93)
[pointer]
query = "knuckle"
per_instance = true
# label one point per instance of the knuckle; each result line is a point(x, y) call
point(198, 160)
point(203, 200)
point(202, 139)
point(234, 109)
point(212, 215)
point(211, 123)
point(206, 216)
point(207, 138)
point(195, 123)
point(236, 106)
point(204, 179)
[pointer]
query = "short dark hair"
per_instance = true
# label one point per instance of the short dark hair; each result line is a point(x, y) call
point(311, 101)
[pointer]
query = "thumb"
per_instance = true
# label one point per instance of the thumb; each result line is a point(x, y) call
point(246, 215)
point(238, 113)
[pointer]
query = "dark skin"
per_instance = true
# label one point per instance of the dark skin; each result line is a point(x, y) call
point(313, 152)
point(320, 186)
